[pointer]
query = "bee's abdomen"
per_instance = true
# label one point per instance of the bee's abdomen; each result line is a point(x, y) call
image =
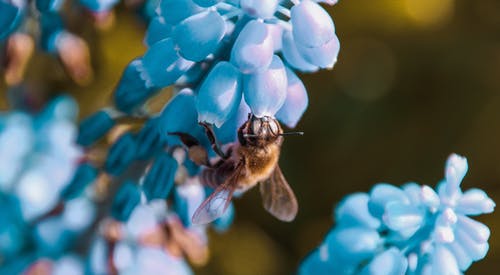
point(209, 177)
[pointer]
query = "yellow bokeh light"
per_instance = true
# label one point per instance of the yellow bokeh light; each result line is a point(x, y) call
point(429, 12)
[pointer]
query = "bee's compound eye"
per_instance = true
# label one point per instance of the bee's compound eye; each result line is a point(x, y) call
point(274, 126)
point(256, 125)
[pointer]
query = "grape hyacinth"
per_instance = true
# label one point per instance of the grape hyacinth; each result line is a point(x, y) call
point(45, 208)
point(223, 60)
point(409, 230)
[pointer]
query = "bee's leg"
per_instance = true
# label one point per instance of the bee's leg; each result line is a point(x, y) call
point(213, 140)
point(196, 152)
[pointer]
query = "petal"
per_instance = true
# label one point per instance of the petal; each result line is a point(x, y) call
point(399, 216)
point(149, 139)
point(296, 101)
point(174, 11)
point(456, 168)
point(463, 259)
point(389, 262)
point(477, 231)
point(476, 250)
point(312, 25)
point(163, 65)
point(160, 178)
point(199, 35)
point(430, 197)
point(253, 49)
point(219, 95)
point(293, 57)
point(125, 200)
point(324, 56)
point(475, 202)
point(180, 115)
point(134, 87)
point(264, 9)
point(158, 30)
point(84, 175)
point(443, 262)
point(265, 91)
point(381, 195)
point(94, 127)
point(352, 245)
point(228, 132)
point(353, 211)
point(121, 154)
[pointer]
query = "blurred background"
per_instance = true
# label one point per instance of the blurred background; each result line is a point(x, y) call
point(415, 81)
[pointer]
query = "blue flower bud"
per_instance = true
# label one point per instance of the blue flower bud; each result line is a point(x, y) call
point(94, 127)
point(180, 115)
point(187, 198)
point(149, 139)
point(324, 56)
point(353, 211)
point(206, 3)
point(62, 107)
point(134, 87)
point(389, 262)
point(11, 15)
point(121, 154)
point(157, 30)
point(199, 35)
point(160, 177)
point(475, 202)
point(442, 262)
point(219, 95)
point(296, 101)
point(228, 132)
point(266, 91)
point(84, 175)
point(174, 11)
point(351, 245)
point(292, 55)
point(163, 65)
point(126, 199)
point(381, 195)
point(259, 8)
point(312, 26)
point(253, 49)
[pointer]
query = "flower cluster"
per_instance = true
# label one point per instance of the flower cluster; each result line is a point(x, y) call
point(234, 54)
point(407, 230)
point(44, 207)
point(225, 59)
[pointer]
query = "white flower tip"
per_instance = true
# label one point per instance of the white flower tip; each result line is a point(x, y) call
point(444, 234)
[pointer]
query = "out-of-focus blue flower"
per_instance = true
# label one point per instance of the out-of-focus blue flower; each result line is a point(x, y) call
point(408, 230)
point(44, 206)
point(11, 14)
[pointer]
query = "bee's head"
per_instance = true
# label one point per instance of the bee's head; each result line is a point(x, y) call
point(259, 130)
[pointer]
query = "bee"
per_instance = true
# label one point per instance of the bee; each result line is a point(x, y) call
point(252, 160)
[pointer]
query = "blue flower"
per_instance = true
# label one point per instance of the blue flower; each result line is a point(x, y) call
point(410, 230)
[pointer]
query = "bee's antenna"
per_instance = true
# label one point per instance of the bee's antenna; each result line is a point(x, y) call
point(292, 134)
point(249, 135)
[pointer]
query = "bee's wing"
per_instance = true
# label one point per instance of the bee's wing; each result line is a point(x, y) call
point(216, 204)
point(278, 197)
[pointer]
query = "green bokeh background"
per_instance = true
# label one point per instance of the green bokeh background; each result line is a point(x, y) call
point(415, 81)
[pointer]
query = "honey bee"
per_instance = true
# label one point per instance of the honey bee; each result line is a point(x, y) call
point(251, 160)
